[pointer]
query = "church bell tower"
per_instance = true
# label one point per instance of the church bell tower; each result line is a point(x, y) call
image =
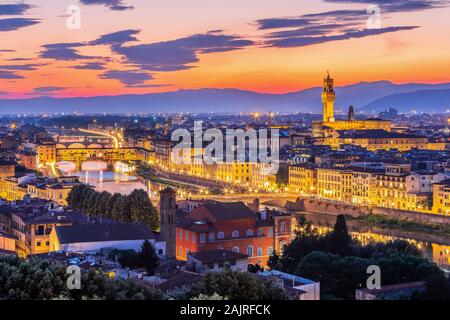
point(328, 99)
point(167, 213)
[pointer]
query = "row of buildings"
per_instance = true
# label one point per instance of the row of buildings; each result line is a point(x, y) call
point(36, 226)
point(389, 185)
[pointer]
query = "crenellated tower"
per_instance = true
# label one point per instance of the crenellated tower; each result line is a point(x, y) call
point(328, 99)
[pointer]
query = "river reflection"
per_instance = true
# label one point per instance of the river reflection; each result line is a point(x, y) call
point(113, 182)
point(438, 253)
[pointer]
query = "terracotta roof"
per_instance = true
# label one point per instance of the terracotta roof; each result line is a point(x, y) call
point(229, 210)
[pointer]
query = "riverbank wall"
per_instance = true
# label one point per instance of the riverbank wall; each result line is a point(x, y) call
point(336, 208)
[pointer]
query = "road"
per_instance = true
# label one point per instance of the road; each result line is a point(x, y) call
point(113, 137)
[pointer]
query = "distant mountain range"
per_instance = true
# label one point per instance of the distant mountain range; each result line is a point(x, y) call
point(365, 96)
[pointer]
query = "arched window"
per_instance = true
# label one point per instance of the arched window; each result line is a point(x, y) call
point(220, 235)
point(235, 234)
point(236, 249)
point(249, 233)
point(250, 251)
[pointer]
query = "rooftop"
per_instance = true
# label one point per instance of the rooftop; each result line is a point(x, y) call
point(219, 255)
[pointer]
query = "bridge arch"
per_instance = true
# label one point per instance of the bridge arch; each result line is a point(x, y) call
point(76, 145)
point(66, 166)
point(97, 165)
point(95, 146)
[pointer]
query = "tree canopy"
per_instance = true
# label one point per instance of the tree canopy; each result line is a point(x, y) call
point(135, 207)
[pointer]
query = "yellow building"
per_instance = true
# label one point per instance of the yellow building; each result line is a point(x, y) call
point(33, 231)
point(441, 197)
point(392, 189)
point(334, 184)
point(381, 140)
point(46, 154)
point(388, 188)
point(15, 188)
point(303, 179)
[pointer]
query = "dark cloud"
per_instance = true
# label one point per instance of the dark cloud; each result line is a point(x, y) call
point(133, 78)
point(13, 9)
point(116, 5)
point(116, 38)
point(16, 23)
point(305, 41)
point(399, 5)
point(321, 27)
point(22, 67)
point(63, 51)
point(90, 66)
point(6, 74)
point(48, 89)
point(179, 54)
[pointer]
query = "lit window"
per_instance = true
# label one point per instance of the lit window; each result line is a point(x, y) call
point(236, 249)
point(259, 251)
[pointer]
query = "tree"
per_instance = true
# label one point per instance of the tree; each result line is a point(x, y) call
point(274, 262)
point(237, 286)
point(149, 258)
point(142, 209)
point(339, 241)
point(254, 268)
point(34, 279)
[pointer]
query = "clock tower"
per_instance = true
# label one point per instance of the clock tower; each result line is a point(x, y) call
point(328, 99)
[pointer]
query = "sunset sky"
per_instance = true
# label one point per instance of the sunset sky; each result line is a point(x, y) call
point(142, 46)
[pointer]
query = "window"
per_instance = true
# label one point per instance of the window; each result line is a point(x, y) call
point(249, 233)
point(220, 235)
point(270, 232)
point(39, 231)
point(211, 236)
point(38, 244)
point(235, 249)
point(194, 237)
point(283, 226)
point(180, 234)
point(269, 251)
point(235, 234)
point(187, 235)
point(202, 238)
point(259, 251)
point(250, 251)
point(180, 251)
point(260, 232)
point(47, 243)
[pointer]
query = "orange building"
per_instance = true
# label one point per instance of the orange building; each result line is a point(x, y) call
point(233, 227)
